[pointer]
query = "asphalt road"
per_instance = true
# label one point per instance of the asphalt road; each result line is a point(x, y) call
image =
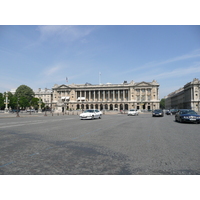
point(116, 144)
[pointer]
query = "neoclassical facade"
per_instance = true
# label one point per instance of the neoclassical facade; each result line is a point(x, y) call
point(45, 95)
point(140, 96)
point(187, 97)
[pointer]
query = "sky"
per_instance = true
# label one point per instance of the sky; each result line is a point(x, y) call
point(41, 56)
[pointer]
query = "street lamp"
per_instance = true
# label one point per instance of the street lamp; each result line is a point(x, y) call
point(45, 109)
point(17, 107)
point(39, 103)
point(6, 102)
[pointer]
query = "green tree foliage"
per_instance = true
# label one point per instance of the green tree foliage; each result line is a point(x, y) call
point(1, 101)
point(25, 95)
point(34, 103)
point(24, 91)
point(162, 103)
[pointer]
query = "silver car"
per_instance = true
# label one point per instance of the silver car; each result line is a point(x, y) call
point(91, 114)
point(132, 112)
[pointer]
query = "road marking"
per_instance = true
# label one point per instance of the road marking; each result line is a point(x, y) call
point(15, 124)
point(7, 164)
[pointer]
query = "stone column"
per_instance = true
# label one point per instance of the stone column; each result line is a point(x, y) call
point(99, 95)
point(108, 95)
point(103, 95)
point(89, 95)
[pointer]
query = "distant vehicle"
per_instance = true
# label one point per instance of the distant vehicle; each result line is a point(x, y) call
point(187, 115)
point(91, 114)
point(15, 110)
point(31, 110)
point(173, 111)
point(167, 112)
point(158, 113)
point(132, 112)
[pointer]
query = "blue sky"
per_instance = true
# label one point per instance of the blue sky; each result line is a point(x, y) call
point(41, 56)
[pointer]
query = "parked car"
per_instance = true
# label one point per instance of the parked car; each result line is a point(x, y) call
point(158, 113)
point(132, 112)
point(91, 114)
point(31, 110)
point(15, 110)
point(187, 115)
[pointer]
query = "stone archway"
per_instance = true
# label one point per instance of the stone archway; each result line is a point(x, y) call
point(111, 107)
point(82, 106)
point(106, 107)
point(126, 107)
point(101, 106)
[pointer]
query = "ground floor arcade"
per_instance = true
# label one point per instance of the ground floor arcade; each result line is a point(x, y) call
point(105, 106)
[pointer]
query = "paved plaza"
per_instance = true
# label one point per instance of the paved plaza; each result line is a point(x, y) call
point(117, 144)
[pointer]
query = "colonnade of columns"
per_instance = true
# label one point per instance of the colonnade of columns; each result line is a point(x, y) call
point(103, 95)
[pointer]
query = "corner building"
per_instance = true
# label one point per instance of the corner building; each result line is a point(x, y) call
point(125, 96)
point(187, 97)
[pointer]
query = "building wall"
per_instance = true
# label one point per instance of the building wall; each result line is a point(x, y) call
point(141, 96)
point(187, 97)
point(45, 95)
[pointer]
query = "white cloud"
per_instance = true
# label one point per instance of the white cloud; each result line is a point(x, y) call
point(179, 72)
point(52, 70)
point(65, 32)
point(151, 65)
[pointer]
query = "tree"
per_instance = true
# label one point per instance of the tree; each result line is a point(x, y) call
point(25, 94)
point(162, 103)
point(1, 101)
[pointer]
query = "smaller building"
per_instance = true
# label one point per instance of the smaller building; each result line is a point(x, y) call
point(187, 97)
point(45, 95)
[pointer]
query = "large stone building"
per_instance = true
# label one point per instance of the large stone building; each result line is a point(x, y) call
point(141, 96)
point(187, 97)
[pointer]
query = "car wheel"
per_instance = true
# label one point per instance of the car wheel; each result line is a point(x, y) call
point(92, 117)
point(99, 116)
point(180, 120)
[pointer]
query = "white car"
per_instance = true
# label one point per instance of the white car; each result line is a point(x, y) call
point(91, 114)
point(132, 112)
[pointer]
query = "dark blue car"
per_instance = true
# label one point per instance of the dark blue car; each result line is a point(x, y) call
point(187, 115)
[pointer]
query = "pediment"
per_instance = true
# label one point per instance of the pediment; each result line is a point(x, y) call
point(63, 87)
point(142, 84)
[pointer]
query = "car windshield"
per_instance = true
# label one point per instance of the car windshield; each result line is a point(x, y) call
point(88, 111)
point(157, 110)
point(132, 110)
point(188, 112)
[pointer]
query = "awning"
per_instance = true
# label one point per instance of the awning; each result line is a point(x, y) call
point(81, 98)
point(64, 97)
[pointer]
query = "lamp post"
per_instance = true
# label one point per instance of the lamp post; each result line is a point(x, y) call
point(39, 103)
point(45, 114)
point(6, 102)
point(17, 107)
